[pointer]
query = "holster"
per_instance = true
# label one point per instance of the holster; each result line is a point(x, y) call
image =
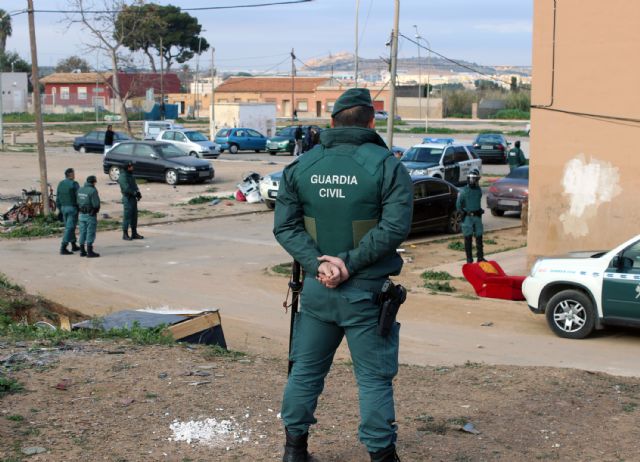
point(390, 299)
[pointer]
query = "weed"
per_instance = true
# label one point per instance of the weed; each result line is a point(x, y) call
point(142, 213)
point(629, 407)
point(456, 245)
point(491, 242)
point(431, 425)
point(436, 275)
point(283, 268)
point(211, 189)
point(9, 386)
point(216, 351)
point(5, 283)
point(461, 421)
point(108, 224)
point(151, 396)
point(15, 418)
point(201, 200)
point(468, 297)
point(440, 286)
point(472, 364)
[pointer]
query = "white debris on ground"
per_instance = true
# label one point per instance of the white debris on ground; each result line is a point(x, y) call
point(210, 432)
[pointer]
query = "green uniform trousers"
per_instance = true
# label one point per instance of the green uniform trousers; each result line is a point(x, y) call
point(70, 219)
point(130, 216)
point(88, 225)
point(326, 316)
point(472, 226)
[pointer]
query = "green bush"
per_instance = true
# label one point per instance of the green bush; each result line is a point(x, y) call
point(436, 275)
point(201, 200)
point(439, 286)
point(456, 245)
point(515, 114)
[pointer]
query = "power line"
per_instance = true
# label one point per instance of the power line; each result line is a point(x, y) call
point(586, 114)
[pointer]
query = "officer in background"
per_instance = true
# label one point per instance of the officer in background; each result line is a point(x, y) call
point(67, 203)
point(297, 135)
point(342, 211)
point(130, 197)
point(469, 203)
point(108, 138)
point(89, 206)
point(516, 157)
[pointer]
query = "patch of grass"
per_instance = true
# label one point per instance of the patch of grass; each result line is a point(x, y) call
point(216, 351)
point(5, 283)
point(211, 189)
point(201, 200)
point(142, 213)
point(472, 364)
point(282, 268)
point(150, 395)
point(38, 227)
point(436, 275)
point(629, 407)
point(9, 386)
point(439, 286)
point(15, 418)
point(491, 242)
point(468, 297)
point(432, 426)
point(456, 245)
point(518, 133)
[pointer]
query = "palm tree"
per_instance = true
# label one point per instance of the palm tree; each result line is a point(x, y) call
point(5, 29)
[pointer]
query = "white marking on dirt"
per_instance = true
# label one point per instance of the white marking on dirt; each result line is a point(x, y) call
point(587, 186)
point(210, 432)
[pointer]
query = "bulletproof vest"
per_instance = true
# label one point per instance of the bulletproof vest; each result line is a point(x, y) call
point(84, 196)
point(340, 191)
point(67, 192)
point(472, 199)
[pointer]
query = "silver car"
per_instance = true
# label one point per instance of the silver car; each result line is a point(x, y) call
point(191, 142)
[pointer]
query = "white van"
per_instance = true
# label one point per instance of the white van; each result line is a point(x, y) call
point(152, 128)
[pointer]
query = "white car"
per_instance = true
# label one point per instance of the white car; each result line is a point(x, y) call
point(269, 189)
point(581, 293)
point(450, 162)
point(191, 142)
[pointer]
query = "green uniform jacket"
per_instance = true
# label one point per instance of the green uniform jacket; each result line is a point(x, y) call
point(66, 194)
point(469, 199)
point(347, 197)
point(88, 199)
point(516, 158)
point(127, 182)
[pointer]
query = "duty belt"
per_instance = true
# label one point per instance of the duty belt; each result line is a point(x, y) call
point(475, 213)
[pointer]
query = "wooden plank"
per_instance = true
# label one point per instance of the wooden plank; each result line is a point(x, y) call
point(65, 323)
point(194, 325)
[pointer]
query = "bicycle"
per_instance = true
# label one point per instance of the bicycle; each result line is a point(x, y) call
point(30, 206)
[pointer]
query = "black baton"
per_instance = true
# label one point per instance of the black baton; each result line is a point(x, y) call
point(295, 285)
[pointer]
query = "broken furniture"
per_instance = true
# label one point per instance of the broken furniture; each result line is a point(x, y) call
point(489, 280)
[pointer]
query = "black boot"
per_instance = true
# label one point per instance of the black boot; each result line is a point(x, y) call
point(125, 236)
point(480, 248)
point(135, 235)
point(91, 253)
point(74, 247)
point(295, 449)
point(83, 251)
point(387, 454)
point(64, 250)
point(468, 248)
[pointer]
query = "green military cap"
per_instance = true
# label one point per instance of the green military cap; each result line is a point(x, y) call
point(351, 98)
point(92, 179)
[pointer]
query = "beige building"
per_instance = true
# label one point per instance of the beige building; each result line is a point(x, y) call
point(585, 125)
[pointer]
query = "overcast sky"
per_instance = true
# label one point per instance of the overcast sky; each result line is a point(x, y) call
point(489, 32)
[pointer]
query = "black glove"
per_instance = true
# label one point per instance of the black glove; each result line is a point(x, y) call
point(138, 195)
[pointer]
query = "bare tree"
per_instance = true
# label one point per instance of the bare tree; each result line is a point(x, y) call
point(99, 19)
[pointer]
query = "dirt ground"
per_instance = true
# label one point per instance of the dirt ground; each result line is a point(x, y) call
point(117, 402)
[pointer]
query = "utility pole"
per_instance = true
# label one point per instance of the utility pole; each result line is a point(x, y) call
point(197, 109)
point(212, 102)
point(419, 75)
point(394, 71)
point(357, 40)
point(1, 109)
point(161, 80)
point(37, 109)
point(293, 84)
point(95, 90)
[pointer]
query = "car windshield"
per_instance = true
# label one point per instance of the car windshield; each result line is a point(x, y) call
point(223, 133)
point(519, 173)
point(169, 151)
point(195, 136)
point(285, 131)
point(489, 139)
point(417, 154)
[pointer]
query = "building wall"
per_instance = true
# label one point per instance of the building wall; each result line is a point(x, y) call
point(584, 186)
point(409, 108)
point(71, 95)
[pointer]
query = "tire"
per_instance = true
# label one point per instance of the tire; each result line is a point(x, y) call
point(221, 151)
point(258, 150)
point(171, 177)
point(270, 204)
point(83, 150)
point(272, 153)
point(233, 149)
point(114, 173)
point(454, 223)
point(193, 154)
point(497, 212)
point(570, 314)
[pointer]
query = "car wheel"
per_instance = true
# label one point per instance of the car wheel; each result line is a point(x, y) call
point(571, 314)
point(270, 204)
point(272, 153)
point(233, 149)
point(171, 177)
point(454, 222)
point(193, 153)
point(83, 150)
point(258, 150)
point(497, 212)
point(114, 173)
point(221, 151)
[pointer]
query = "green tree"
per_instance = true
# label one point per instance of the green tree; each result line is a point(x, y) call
point(164, 31)
point(11, 57)
point(514, 84)
point(5, 29)
point(73, 63)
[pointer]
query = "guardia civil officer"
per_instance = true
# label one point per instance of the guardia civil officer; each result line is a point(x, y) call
point(342, 211)
point(67, 203)
point(89, 206)
point(130, 197)
point(516, 157)
point(469, 203)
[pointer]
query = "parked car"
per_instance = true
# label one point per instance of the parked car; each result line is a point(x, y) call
point(581, 292)
point(384, 115)
point(491, 147)
point(508, 193)
point(240, 139)
point(438, 140)
point(398, 151)
point(434, 205)
point(94, 141)
point(155, 160)
point(152, 128)
point(285, 139)
point(191, 142)
point(451, 162)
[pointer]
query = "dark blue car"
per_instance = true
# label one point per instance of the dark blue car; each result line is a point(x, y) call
point(240, 139)
point(94, 141)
